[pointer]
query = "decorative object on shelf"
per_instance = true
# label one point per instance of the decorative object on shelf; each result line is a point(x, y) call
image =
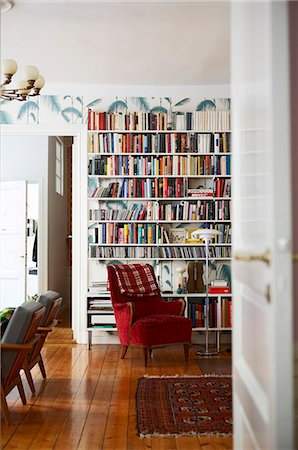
point(207, 235)
point(180, 271)
point(195, 277)
point(179, 289)
point(165, 279)
point(177, 235)
point(30, 86)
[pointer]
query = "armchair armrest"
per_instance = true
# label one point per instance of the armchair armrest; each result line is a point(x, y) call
point(14, 347)
point(123, 315)
point(175, 307)
point(44, 330)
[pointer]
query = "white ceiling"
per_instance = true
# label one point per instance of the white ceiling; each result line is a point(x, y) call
point(125, 43)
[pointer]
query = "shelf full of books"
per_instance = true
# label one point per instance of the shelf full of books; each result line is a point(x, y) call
point(152, 181)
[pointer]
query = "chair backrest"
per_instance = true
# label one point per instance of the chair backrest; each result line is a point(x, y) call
point(138, 276)
point(20, 330)
point(51, 300)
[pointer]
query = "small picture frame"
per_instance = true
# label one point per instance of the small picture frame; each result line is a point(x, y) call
point(177, 235)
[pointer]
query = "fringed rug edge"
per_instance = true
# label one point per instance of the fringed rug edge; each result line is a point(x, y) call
point(188, 376)
point(191, 433)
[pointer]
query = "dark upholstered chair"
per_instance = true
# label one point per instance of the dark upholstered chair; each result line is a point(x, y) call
point(143, 319)
point(51, 301)
point(17, 340)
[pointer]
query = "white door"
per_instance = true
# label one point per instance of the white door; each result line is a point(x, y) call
point(262, 280)
point(13, 234)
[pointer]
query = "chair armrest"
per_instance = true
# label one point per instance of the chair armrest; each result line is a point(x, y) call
point(26, 347)
point(176, 307)
point(44, 330)
point(123, 315)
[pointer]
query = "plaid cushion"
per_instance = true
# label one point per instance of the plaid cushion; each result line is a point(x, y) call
point(136, 280)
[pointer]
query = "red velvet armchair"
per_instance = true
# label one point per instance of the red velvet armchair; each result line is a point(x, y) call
point(143, 319)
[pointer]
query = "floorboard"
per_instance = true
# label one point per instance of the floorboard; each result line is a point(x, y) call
point(87, 401)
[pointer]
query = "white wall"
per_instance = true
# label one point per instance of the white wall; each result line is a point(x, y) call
point(24, 158)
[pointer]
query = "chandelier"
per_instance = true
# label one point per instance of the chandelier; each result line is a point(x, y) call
point(28, 87)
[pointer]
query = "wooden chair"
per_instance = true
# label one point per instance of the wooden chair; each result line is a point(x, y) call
point(143, 319)
point(51, 300)
point(18, 339)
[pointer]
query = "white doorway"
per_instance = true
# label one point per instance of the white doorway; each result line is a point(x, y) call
point(13, 243)
point(77, 240)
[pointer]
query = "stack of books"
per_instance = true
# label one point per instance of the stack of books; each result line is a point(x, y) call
point(219, 287)
point(97, 287)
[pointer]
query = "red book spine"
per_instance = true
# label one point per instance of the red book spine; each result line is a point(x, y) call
point(165, 187)
point(219, 290)
point(89, 119)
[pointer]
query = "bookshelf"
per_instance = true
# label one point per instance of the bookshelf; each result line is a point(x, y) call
point(149, 186)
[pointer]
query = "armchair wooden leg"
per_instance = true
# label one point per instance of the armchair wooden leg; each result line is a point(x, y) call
point(124, 350)
point(29, 379)
point(21, 390)
point(42, 369)
point(150, 352)
point(146, 355)
point(4, 408)
point(186, 349)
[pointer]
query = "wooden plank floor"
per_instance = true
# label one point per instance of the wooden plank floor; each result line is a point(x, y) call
point(88, 401)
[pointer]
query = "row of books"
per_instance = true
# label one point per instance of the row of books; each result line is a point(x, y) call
point(128, 233)
point(153, 211)
point(159, 143)
point(156, 252)
point(195, 211)
point(122, 252)
point(110, 165)
point(140, 188)
point(185, 210)
point(134, 211)
point(220, 313)
point(141, 233)
point(127, 121)
point(209, 120)
point(194, 252)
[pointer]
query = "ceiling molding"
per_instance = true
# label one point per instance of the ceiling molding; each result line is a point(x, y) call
point(122, 2)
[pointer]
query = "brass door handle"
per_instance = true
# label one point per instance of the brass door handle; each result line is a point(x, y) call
point(249, 257)
point(295, 257)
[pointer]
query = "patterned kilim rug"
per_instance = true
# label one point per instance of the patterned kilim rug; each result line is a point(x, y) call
point(185, 406)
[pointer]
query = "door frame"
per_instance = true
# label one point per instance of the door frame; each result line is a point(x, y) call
point(79, 216)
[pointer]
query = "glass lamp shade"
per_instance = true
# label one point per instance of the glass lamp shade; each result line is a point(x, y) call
point(40, 82)
point(31, 73)
point(9, 67)
point(205, 234)
point(21, 87)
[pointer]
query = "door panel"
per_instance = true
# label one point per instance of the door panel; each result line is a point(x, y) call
point(13, 235)
point(261, 216)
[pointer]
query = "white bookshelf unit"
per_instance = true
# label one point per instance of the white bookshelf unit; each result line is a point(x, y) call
point(148, 189)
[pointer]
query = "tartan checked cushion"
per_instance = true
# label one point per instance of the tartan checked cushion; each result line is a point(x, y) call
point(136, 279)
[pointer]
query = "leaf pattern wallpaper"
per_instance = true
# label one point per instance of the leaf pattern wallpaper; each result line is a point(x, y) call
point(51, 109)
